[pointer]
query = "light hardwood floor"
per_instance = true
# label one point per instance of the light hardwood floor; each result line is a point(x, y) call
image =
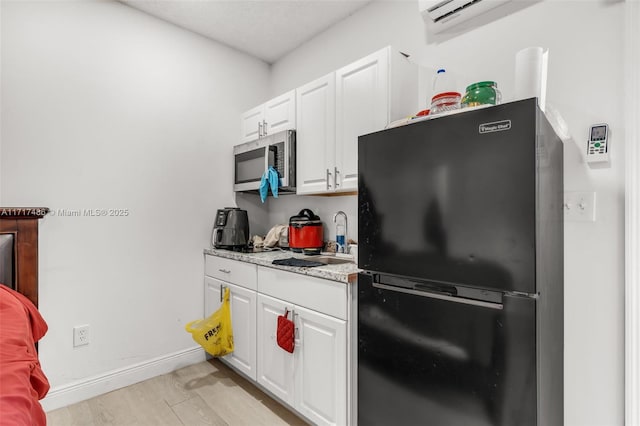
point(208, 393)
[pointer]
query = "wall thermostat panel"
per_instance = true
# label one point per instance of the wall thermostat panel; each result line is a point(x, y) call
point(598, 144)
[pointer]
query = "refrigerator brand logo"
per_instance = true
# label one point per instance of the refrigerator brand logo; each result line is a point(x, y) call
point(496, 126)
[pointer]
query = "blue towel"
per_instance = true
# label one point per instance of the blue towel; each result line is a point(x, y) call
point(274, 181)
point(264, 187)
point(270, 179)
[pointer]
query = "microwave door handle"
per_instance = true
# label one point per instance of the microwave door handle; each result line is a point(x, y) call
point(267, 156)
point(274, 149)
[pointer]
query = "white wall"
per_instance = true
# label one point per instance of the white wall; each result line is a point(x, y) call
point(576, 33)
point(104, 107)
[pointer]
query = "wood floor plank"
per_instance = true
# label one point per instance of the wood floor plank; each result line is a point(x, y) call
point(240, 402)
point(112, 409)
point(59, 417)
point(147, 401)
point(74, 415)
point(207, 393)
point(195, 411)
point(162, 388)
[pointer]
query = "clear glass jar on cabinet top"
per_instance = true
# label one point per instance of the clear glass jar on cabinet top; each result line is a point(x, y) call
point(447, 101)
point(481, 93)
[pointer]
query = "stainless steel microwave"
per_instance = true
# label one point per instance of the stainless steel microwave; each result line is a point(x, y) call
point(253, 158)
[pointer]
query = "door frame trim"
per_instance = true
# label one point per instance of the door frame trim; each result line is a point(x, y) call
point(632, 214)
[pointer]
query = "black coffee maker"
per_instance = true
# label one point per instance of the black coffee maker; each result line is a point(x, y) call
point(231, 229)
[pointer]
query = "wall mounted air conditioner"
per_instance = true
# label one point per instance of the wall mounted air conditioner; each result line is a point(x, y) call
point(442, 14)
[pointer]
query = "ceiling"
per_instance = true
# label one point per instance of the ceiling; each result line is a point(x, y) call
point(266, 29)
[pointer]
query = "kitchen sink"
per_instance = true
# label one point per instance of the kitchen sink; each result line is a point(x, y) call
point(329, 260)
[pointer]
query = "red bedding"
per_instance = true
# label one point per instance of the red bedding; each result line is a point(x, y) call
point(22, 381)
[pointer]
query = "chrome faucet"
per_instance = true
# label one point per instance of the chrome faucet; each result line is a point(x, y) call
point(342, 247)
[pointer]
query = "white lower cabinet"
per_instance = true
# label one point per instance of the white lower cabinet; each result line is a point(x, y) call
point(313, 380)
point(275, 365)
point(242, 300)
point(321, 367)
point(243, 321)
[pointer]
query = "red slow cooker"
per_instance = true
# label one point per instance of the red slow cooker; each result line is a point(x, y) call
point(305, 233)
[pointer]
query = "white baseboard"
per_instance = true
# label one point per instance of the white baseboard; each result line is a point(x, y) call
point(97, 385)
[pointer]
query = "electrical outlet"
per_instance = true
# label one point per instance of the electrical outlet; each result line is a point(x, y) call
point(80, 335)
point(579, 206)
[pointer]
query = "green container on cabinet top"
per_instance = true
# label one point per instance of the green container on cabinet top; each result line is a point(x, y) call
point(481, 93)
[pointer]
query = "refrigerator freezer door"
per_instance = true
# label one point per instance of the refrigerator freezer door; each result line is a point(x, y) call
point(432, 361)
point(453, 199)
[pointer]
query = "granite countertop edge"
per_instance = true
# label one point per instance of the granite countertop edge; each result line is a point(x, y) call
point(345, 273)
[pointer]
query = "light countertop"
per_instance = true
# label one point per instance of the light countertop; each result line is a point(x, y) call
point(345, 272)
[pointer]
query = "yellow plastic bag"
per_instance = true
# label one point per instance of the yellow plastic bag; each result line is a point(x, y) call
point(214, 333)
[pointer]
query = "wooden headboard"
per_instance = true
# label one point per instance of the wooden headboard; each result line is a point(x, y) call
point(22, 222)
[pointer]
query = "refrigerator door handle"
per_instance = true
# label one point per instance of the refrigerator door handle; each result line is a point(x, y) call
point(432, 295)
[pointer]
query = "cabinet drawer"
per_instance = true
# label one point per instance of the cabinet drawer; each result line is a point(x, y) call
point(231, 271)
point(325, 296)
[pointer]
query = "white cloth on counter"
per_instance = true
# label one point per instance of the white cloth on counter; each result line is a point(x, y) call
point(273, 236)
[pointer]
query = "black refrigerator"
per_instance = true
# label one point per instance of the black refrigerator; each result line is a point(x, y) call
point(460, 298)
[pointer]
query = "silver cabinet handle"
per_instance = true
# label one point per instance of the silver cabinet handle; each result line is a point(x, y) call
point(224, 271)
point(222, 289)
point(335, 177)
point(259, 129)
point(296, 330)
point(264, 128)
point(328, 180)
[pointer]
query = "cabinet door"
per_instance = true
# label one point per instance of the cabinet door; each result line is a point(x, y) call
point(280, 113)
point(252, 124)
point(362, 106)
point(315, 138)
point(243, 321)
point(275, 365)
point(212, 295)
point(321, 367)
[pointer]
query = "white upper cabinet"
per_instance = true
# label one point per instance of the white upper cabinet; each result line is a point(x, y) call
point(315, 137)
point(362, 106)
point(365, 96)
point(330, 113)
point(280, 113)
point(252, 122)
point(271, 117)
